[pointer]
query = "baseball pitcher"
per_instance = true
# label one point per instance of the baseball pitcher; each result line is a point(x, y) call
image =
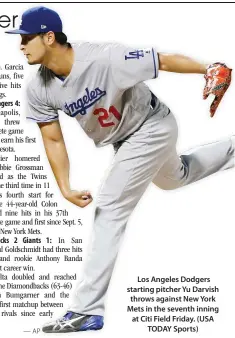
point(101, 87)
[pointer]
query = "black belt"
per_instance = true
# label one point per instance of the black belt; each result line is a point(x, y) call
point(153, 101)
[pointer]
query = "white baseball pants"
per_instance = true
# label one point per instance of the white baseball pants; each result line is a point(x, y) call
point(147, 155)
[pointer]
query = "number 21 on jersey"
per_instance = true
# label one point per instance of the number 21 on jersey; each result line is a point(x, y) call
point(104, 114)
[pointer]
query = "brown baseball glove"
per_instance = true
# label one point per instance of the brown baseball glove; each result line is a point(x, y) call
point(218, 78)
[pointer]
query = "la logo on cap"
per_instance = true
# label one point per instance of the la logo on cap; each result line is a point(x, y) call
point(43, 26)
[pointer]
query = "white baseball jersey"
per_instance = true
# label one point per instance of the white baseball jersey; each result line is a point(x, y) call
point(104, 91)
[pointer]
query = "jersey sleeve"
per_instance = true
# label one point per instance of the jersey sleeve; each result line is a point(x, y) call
point(38, 109)
point(131, 66)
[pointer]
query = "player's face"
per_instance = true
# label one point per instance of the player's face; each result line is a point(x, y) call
point(33, 47)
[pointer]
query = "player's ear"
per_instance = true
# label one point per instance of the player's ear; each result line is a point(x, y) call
point(49, 38)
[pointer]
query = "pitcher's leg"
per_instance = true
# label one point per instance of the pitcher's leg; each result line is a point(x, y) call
point(196, 164)
point(134, 167)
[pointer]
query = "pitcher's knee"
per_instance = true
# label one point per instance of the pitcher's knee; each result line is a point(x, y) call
point(167, 187)
point(169, 184)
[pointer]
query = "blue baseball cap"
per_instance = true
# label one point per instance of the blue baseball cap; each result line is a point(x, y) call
point(39, 20)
